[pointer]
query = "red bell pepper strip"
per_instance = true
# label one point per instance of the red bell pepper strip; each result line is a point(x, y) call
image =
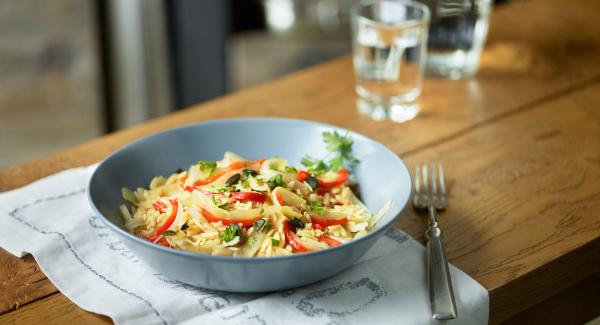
point(245, 164)
point(212, 218)
point(209, 216)
point(209, 179)
point(182, 179)
point(302, 175)
point(163, 242)
point(323, 222)
point(256, 164)
point(167, 224)
point(323, 190)
point(341, 179)
point(238, 165)
point(160, 206)
point(329, 241)
point(317, 226)
point(248, 196)
point(293, 240)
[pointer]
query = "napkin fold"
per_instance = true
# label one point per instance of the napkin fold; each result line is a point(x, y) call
point(52, 220)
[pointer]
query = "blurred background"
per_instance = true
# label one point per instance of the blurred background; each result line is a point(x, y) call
point(71, 70)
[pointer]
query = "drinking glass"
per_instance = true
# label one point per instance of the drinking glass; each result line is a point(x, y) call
point(389, 44)
point(457, 32)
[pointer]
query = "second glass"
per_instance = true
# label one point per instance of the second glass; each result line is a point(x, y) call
point(389, 51)
point(457, 34)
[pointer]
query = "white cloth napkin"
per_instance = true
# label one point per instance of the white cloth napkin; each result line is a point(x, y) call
point(52, 220)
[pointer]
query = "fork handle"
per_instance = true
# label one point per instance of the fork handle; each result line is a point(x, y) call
point(438, 274)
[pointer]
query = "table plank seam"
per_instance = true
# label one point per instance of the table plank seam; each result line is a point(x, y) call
point(17, 305)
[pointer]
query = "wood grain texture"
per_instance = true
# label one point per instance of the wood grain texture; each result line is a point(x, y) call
point(21, 281)
point(520, 144)
point(55, 309)
point(524, 201)
point(577, 305)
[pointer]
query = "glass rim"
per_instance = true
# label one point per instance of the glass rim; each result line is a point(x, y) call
point(415, 4)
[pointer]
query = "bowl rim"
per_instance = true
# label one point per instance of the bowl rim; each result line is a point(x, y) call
point(191, 254)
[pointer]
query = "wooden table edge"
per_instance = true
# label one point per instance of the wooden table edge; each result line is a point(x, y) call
point(579, 265)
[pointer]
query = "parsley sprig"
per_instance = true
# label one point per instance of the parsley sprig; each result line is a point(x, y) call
point(340, 146)
point(207, 167)
point(315, 166)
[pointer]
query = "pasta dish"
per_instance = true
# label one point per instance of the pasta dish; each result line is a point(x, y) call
point(251, 208)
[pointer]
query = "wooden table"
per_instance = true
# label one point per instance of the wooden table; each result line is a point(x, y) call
point(520, 143)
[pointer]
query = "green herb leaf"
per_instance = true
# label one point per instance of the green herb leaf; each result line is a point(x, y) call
point(262, 224)
point(336, 163)
point(342, 146)
point(315, 166)
point(290, 169)
point(207, 167)
point(337, 142)
point(251, 241)
point(274, 242)
point(312, 181)
point(236, 229)
point(242, 186)
point(227, 235)
point(230, 233)
point(219, 188)
point(169, 233)
point(219, 204)
point(316, 206)
point(308, 161)
point(275, 181)
point(273, 165)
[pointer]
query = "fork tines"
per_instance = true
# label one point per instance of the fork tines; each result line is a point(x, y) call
point(429, 186)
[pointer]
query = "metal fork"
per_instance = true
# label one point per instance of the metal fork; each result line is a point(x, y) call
point(430, 193)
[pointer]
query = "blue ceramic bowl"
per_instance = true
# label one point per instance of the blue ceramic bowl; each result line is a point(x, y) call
point(381, 174)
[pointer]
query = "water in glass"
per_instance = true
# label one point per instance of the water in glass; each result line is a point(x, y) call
point(388, 64)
